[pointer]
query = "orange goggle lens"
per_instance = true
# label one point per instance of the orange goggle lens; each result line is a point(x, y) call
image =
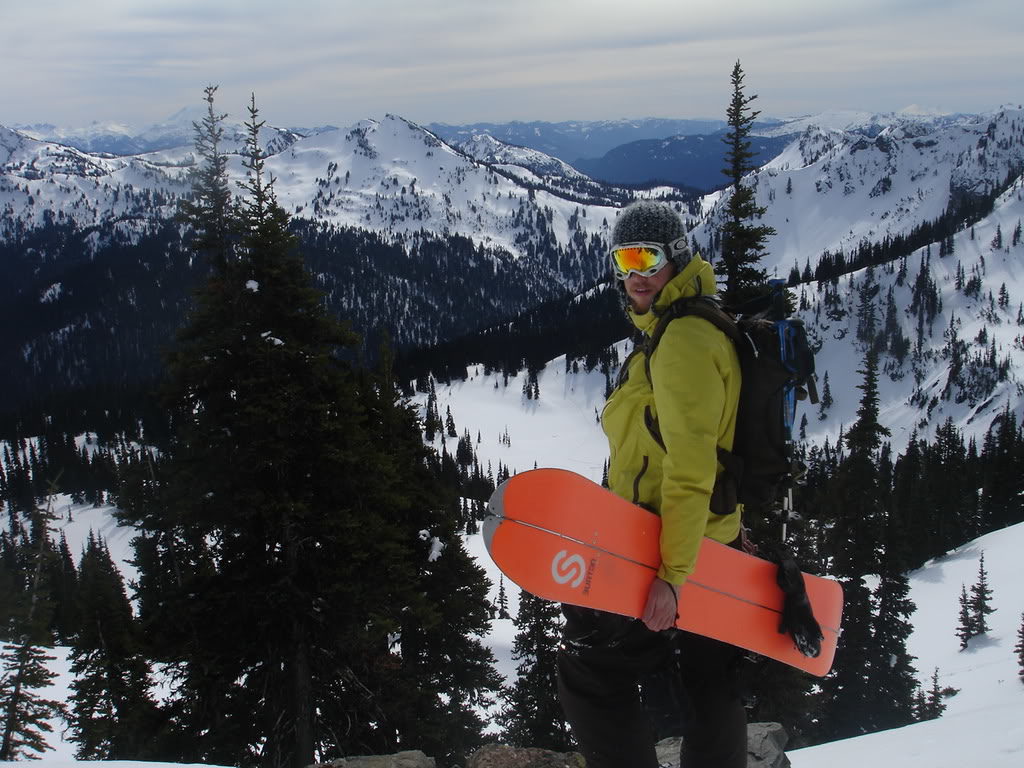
point(645, 259)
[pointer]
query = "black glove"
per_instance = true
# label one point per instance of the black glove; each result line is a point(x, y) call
point(797, 617)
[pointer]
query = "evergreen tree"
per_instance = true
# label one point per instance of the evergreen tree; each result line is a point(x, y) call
point(931, 704)
point(965, 629)
point(826, 398)
point(1019, 648)
point(112, 716)
point(533, 716)
point(449, 423)
point(63, 579)
point(860, 526)
point(208, 209)
point(1004, 297)
point(503, 599)
point(742, 242)
point(892, 628)
point(10, 587)
point(464, 454)
point(26, 715)
point(980, 600)
point(857, 521)
point(292, 504)
point(431, 418)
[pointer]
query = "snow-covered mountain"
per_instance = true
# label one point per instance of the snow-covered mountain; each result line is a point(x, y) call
point(862, 183)
point(832, 190)
point(573, 139)
point(396, 177)
point(849, 182)
point(114, 138)
point(389, 176)
point(964, 363)
point(692, 161)
point(829, 190)
point(851, 191)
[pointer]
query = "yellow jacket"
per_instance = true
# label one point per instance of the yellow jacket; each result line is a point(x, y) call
point(664, 433)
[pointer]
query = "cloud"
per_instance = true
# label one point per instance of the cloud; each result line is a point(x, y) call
point(456, 60)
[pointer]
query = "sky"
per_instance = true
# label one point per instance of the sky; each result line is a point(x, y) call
point(316, 62)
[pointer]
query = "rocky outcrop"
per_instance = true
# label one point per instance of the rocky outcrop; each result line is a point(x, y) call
point(411, 759)
point(504, 756)
point(766, 744)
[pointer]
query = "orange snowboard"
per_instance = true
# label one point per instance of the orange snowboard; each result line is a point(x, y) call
point(561, 537)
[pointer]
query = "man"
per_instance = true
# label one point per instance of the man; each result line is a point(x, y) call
point(672, 409)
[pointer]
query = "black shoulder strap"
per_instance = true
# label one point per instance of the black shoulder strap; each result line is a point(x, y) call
point(702, 306)
point(708, 308)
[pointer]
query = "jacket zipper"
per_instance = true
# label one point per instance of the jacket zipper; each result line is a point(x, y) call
point(652, 427)
point(636, 480)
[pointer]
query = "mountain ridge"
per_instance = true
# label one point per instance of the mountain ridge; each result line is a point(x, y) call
point(830, 193)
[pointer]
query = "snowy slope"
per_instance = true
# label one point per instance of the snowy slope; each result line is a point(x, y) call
point(914, 395)
point(393, 176)
point(870, 177)
point(390, 176)
point(173, 132)
point(849, 186)
point(983, 724)
point(983, 721)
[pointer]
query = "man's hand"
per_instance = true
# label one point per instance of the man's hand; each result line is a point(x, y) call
point(662, 606)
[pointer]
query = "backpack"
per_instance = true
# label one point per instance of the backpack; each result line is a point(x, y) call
point(777, 366)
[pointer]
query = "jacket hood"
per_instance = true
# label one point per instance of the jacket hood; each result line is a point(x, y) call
point(697, 279)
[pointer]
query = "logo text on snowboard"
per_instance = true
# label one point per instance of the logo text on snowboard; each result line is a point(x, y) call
point(566, 569)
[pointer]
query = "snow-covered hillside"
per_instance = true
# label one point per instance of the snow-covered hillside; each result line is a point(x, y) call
point(849, 178)
point(925, 388)
point(112, 138)
point(393, 176)
point(831, 190)
point(983, 723)
point(388, 176)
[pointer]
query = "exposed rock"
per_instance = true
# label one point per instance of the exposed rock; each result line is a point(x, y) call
point(411, 759)
point(766, 743)
point(766, 746)
point(504, 756)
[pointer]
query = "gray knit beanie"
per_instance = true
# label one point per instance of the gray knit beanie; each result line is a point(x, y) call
point(653, 222)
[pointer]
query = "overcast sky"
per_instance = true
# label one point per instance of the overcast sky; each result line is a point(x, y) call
point(312, 62)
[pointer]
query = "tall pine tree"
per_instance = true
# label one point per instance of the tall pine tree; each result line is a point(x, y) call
point(24, 713)
point(533, 716)
point(743, 242)
point(980, 600)
point(112, 715)
point(1019, 648)
point(856, 537)
point(284, 554)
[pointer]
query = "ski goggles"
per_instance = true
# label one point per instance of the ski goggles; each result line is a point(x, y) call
point(646, 259)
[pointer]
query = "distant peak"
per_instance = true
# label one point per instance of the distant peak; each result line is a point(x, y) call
point(917, 110)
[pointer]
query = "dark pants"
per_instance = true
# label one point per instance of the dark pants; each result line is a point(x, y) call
point(618, 681)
